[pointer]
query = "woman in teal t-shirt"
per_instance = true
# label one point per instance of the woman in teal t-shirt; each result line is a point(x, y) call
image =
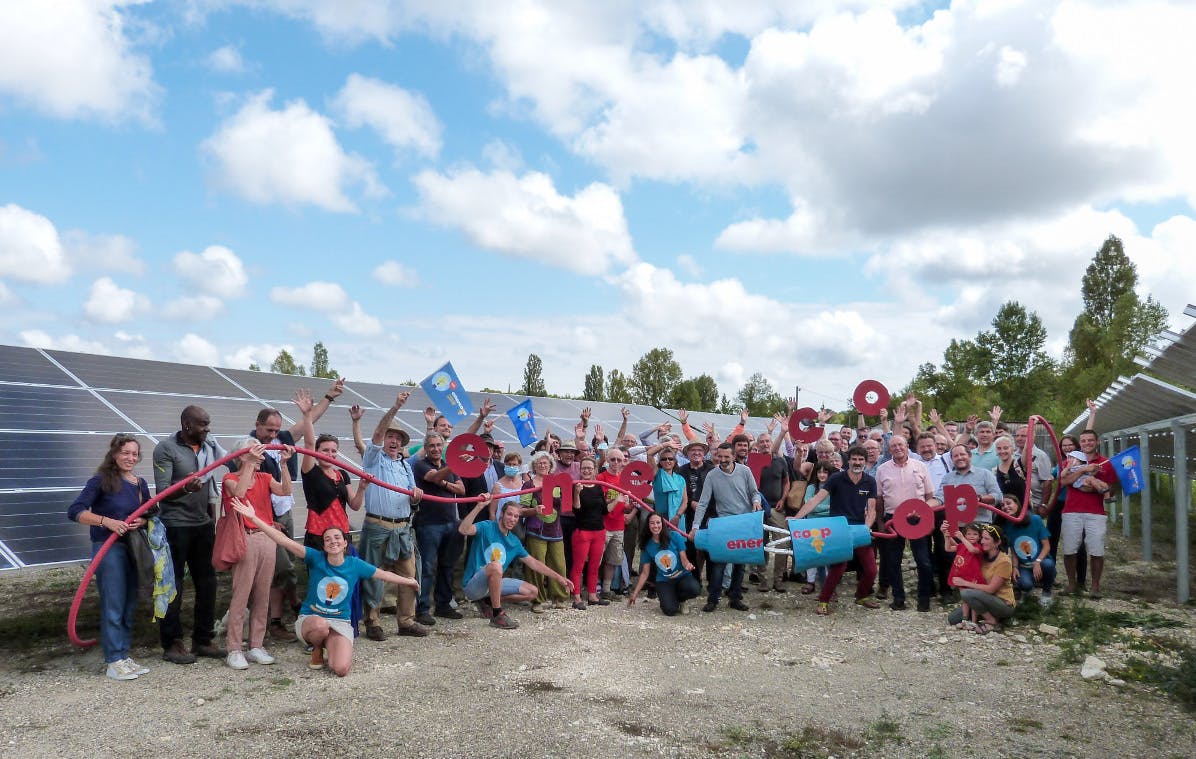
point(665, 549)
point(324, 619)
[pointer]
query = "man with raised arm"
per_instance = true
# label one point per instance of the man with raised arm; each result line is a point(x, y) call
point(189, 517)
point(493, 548)
point(733, 489)
point(386, 540)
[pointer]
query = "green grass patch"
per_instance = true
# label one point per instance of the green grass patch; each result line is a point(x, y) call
point(1024, 724)
point(885, 730)
point(1084, 627)
point(1173, 672)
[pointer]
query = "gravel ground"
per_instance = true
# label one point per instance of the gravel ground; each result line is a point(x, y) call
point(610, 681)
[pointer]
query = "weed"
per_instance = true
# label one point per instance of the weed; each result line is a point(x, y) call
point(1024, 724)
point(282, 682)
point(1178, 680)
point(738, 736)
point(885, 729)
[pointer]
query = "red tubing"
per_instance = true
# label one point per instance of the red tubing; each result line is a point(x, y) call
point(73, 616)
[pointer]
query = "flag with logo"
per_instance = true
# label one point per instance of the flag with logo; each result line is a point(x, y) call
point(524, 421)
point(1128, 465)
point(444, 388)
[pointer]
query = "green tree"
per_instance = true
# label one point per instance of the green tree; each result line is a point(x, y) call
point(759, 397)
point(533, 377)
point(284, 363)
point(617, 389)
point(725, 406)
point(653, 376)
point(707, 392)
point(685, 395)
point(319, 363)
point(255, 367)
point(1012, 363)
point(1113, 327)
point(592, 391)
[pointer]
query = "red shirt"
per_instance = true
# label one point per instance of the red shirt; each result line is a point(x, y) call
point(1083, 502)
point(614, 520)
point(258, 497)
point(967, 566)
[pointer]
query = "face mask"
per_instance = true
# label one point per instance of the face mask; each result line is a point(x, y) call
point(510, 471)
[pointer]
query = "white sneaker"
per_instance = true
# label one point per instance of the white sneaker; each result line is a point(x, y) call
point(119, 670)
point(136, 668)
point(259, 656)
point(1045, 599)
point(236, 660)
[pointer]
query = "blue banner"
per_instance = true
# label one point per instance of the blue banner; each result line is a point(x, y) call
point(1128, 465)
point(524, 421)
point(444, 388)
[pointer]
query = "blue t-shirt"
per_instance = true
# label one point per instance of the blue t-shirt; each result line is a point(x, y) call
point(667, 559)
point(1027, 539)
point(667, 490)
point(850, 499)
point(488, 545)
point(329, 588)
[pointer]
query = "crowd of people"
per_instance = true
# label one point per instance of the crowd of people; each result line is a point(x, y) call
point(500, 540)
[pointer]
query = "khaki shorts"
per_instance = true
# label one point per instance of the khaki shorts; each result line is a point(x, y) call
point(613, 552)
point(1087, 528)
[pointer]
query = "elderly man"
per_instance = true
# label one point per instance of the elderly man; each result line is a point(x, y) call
point(983, 481)
point(900, 479)
point(386, 540)
point(733, 490)
point(937, 464)
point(439, 542)
point(190, 532)
point(852, 495)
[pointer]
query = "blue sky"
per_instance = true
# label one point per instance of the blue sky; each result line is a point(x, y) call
point(823, 192)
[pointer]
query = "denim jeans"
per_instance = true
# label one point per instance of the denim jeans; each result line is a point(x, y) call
point(116, 581)
point(440, 546)
point(714, 581)
point(1025, 576)
point(673, 593)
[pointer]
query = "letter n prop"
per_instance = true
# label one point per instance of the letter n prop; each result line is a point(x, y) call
point(552, 482)
point(757, 462)
point(914, 507)
point(960, 504)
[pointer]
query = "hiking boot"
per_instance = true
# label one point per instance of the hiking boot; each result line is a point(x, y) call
point(415, 630)
point(897, 606)
point(502, 621)
point(175, 653)
point(710, 606)
point(280, 632)
point(738, 605)
point(425, 619)
point(374, 632)
point(449, 613)
point(882, 593)
point(923, 604)
point(209, 651)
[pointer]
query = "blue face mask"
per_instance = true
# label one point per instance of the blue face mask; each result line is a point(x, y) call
point(510, 471)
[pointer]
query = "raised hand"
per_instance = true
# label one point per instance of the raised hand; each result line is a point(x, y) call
point(995, 414)
point(626, 412)
point(487, 407)
point(1091, 404)
point(242, 508)
point(598, 433)
point(287, 452)
point(302, 400)
point(430, 415)
point(585, 416)
point(356, 412)
point(337, 388)
point(488, 425)
point(401, 399)
point(708, 428)
point(824, 415)
point(683, 415)
point(743, 416)
point(579, 430)
point(934, 416)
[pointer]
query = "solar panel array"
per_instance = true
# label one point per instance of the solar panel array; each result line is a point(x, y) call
point(59, 410)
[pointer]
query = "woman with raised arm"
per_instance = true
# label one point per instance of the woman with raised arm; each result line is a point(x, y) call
point(326, 488)
point(324, 618)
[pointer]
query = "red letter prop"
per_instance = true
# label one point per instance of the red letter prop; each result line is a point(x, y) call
point(806, 415)
point(562, 482)
point(860, 399)
point(914, 507)
point(467, 455)
point(757, 462)
point(637, 477)
point(960, 504)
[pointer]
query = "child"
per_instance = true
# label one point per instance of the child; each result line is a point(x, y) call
point(1077, 460)
point(966, 544)
point(820, 474)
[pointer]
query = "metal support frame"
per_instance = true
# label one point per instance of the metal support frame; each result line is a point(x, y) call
point(1183, 497)
point(1144, 494)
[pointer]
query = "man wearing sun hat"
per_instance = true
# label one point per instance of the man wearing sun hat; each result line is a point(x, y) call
point(694, 471)
point(386, 540)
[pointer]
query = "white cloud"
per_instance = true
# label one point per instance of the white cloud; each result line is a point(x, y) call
point(30, 249)
point(6, 296)
point(192, 308)
point(261, 354)
point(1010, 66)
point(36, 338)
point(526, 217)
point(74, 60)
point(395, 273)
point(290, 157)
point(112, 304)
point(329, 298)
point(502, 155)
point(216, 271)
point(193, 349)
point(689, 265)
point(403, 119)
point(103, 252)
point(226, 60)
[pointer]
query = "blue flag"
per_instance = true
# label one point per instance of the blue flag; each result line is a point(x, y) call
point(1128, 465)
point(444, 388)
point(524, 420)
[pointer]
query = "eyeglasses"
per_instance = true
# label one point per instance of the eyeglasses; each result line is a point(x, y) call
point(667, 459)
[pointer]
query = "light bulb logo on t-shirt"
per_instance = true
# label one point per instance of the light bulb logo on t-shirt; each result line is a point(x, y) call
point(496, 552)
point(331, 590)
point(666, 561)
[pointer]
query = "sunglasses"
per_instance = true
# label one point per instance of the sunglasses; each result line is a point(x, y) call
point(668, 459)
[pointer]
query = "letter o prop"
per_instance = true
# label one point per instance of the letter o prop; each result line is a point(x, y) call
point(860, 399)
point(811, 434)
point(637, 478)
point(467, 455)
point(913, 507)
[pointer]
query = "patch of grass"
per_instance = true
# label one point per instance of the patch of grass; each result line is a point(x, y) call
point(282, 682)
point(1178, 681)
point(1085, 627)
point(815, 741)
point(738, 736)
point(1024, 724)
point(885, 730)
point(1002, 662)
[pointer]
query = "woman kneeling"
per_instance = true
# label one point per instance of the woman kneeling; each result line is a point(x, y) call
point(324, 619)
point(665, 549)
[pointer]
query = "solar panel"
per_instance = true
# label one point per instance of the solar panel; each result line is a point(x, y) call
point(277, 388)
point(24, 407)
point(383, 396)
point(137, 374)
point(34, 527)
point(58, 460)
point(29, 365)
point(159, 414)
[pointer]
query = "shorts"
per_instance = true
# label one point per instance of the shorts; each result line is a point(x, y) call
point(478, 586)
point(613, 552)
point(341, 627)
point(1090, 528)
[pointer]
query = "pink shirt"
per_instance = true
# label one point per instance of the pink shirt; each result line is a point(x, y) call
point(896, 484)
